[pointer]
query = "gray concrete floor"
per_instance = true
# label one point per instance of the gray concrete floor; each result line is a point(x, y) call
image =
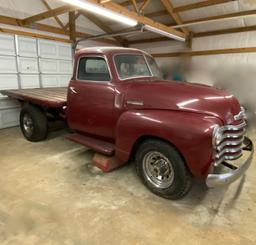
point(49, 194)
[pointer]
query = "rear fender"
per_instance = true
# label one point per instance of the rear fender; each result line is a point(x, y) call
point(190, 133)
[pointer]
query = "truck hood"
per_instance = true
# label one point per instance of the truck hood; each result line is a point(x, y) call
point(173, 95)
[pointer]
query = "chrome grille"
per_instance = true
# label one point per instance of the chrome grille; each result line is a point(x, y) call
point(228, 141)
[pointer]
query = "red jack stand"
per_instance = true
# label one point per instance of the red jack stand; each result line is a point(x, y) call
point(105, 163)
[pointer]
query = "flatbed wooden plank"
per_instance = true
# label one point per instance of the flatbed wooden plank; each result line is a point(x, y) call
point(48, 97)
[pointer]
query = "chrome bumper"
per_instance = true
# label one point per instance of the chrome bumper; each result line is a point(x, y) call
point(222, 179)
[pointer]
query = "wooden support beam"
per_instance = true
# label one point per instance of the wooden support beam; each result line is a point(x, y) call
point(199, 5)
point(48, 14)
point(223, 17)
point(206, 52)
point(144, 5)
point(128, 2)
point(72, 26)
point(35, 35)
point(67, 25)
point(47, 28)
point(101, 25)
point(225, 31)
point(135, 7)
point(157, 14)
point(141, 19)
point(55, 17)
point(168, 6)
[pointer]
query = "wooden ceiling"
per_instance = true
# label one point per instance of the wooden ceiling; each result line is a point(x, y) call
point(136, 9)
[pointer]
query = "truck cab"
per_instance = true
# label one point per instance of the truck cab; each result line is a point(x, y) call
point(119, 105)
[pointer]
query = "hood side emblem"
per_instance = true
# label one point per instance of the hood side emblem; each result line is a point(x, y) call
point(134, 102)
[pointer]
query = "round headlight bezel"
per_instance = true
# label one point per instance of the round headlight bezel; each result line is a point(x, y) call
point(217, 136)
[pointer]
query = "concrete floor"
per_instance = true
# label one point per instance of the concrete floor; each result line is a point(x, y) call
point(49, 194)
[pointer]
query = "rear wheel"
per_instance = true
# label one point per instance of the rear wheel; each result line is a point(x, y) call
point(162, 169)
point(33, 123)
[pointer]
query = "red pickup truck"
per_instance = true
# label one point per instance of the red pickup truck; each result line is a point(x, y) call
point(118, 105)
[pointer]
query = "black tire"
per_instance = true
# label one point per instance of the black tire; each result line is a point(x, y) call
point(37, 123)
point(179, 183)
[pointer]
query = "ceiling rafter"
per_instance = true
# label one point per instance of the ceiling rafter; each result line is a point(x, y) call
point(135, 7)
point(47, 28)
point(101, 25)
point(128, 2)
point(199, 5)
point(157, 13)
point(168, 6)
point(55, 17)
point(141, 19)
point(48, 14)
point(144, 5)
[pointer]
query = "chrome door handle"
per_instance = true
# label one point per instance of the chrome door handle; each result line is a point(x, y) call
point(73, 90)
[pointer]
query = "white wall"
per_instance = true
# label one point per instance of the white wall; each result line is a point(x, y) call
point(235, 73)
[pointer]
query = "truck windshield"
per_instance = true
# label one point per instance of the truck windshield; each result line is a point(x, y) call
point(153, 67)
point(131, 65)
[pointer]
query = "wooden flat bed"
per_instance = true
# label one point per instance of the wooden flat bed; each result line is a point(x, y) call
point(46, 97)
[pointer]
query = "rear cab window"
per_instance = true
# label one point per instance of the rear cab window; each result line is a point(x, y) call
point(93, 69)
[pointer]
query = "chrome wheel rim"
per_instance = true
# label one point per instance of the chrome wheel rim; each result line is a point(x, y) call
point(158, 169)
point(28, 124)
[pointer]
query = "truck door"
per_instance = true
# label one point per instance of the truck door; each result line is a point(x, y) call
point(91, 98)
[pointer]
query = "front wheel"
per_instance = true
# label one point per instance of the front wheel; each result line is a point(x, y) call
point(162, 169)
point(33, 123)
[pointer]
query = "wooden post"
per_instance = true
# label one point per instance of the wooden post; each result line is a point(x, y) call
point(72, 26)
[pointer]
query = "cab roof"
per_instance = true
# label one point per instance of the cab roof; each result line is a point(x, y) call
point(108, 50)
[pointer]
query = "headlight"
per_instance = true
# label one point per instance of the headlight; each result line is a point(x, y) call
point(217, 136)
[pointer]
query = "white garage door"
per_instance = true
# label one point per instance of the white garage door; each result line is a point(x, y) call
point(30, 63)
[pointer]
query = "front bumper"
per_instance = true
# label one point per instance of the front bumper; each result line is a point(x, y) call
point(222, 179)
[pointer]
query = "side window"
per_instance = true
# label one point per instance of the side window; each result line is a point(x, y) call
point(93, 69)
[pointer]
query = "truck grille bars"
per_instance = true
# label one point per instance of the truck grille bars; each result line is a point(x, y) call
point(228, 142)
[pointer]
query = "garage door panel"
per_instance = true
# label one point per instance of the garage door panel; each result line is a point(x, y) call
point(8, 64)
point(65, 51)
point(8, 81)
point(6, 103)
point(48, 49)
point(28, 65)
point(64, 80)
point(27, 47)
point(50, 80)
point(32, 63)
point(30, 81)
point(65, 66)
point(7, 44)
point(53, 66)
point(48, 66)
point(54, 50)
point(9, 118)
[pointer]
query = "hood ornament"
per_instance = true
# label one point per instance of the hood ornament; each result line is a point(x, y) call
point(241, 115)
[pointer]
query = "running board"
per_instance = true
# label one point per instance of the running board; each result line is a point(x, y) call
point(100, 146)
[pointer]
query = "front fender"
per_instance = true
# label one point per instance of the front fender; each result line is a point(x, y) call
point(190, 133)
